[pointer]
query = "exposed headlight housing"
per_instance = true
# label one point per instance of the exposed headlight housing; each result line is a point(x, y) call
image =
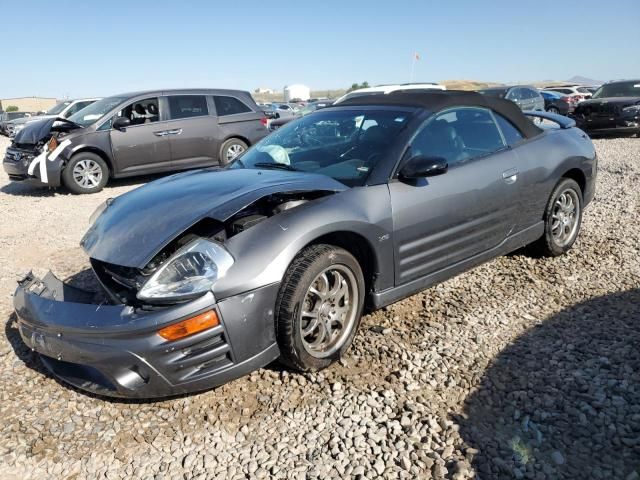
point(633, 109)
point(189, 273)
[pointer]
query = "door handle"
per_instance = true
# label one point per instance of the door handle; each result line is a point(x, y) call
point(175, 131)
point(510, 176)
point(161, 134)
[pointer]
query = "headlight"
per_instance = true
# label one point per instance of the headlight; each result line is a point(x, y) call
point(633, 109)
point(190, 272)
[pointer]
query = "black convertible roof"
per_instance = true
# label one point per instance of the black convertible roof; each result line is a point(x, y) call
point(436, 100)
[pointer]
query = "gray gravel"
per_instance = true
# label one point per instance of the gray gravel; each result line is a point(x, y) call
point(522, 368)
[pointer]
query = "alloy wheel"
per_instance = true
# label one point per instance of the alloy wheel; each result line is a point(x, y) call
point(233, 151)
point(564, 217)
point(87, 173)
point(329, 311)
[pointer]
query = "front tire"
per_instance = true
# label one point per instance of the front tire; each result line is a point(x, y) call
point(85, 173)
point(562, 219)
point(231, 149)
point(319, 307)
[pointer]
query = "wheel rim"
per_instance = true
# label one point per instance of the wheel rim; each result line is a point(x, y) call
point(329, 311)
point(87, 173)
point(564, 217)
point(234, 150)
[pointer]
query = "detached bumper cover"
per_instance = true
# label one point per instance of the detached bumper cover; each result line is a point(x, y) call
point(114, 350)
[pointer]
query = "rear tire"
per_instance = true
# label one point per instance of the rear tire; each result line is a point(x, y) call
point(562, 220)
point(319, 307)
point(85, 172)
point(231, 149)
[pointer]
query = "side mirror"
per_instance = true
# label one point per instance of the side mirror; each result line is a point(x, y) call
point(421, 166)
point(121, 123)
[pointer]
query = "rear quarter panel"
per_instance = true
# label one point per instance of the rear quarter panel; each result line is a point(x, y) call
point(543, 160)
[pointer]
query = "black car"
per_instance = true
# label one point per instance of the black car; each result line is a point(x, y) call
point(614, 108)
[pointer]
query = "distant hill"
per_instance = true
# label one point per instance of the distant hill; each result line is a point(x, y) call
point(584, 80)
point(467, 84)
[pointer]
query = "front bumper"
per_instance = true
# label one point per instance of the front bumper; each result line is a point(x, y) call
point(114, 350)
point(16, 163)
point(608, 125)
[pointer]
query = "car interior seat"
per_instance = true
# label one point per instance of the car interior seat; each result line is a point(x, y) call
point(152, 109)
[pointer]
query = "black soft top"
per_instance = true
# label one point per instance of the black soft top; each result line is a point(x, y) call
point(436, 100)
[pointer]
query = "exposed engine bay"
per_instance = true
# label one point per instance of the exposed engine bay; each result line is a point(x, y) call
point(123, 283)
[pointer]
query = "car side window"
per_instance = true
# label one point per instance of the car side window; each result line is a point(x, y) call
point(458, 135)
point(141, 111)
point(187, 106)
point(511, 134)
point(514, 94)
point(229, 106)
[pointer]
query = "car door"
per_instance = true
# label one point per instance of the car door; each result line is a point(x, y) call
point(464, 212)
point(192, 131)
point(143, 146)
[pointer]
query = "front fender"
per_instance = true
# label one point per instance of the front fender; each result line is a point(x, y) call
point(263, 253)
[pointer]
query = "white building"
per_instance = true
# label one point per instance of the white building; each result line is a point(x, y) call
point(296, 91)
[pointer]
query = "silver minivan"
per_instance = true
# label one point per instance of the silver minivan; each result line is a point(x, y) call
point(134, 134)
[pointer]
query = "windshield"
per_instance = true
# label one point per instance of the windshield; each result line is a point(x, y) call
point(96, 111)
point(56, 109)
point(494, 92)
point(619, 89)
point(342, 144)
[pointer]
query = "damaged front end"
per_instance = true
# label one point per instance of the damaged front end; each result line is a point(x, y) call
point(163, 280)
point(35, 152)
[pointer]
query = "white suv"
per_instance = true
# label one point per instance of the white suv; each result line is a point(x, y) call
point(63, 109)
point(385, 89)
point(578, 91)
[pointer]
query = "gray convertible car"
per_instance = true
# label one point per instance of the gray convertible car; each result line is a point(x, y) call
point(216, 272)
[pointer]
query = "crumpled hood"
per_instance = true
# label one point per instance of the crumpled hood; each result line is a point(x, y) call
point(37, 130)
point(137, 225)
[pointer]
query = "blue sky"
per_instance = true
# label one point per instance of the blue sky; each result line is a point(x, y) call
point(64, 48)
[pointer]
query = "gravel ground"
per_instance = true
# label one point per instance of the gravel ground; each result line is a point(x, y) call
point(522, 368)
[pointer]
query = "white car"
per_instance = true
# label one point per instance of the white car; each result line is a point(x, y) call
point(579, 91)
point(386, 89)
point(63, 109)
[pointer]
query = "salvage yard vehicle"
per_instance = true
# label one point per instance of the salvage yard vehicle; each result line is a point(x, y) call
point(6, 117)
point(216, 272)
point(135, 134)
point(556, 102)
point(525, 96)
point(63, 109)
point(613, 109)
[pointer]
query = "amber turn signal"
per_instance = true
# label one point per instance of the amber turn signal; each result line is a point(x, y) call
point(190, 326)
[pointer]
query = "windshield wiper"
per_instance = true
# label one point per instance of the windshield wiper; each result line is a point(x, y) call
point(281, 166)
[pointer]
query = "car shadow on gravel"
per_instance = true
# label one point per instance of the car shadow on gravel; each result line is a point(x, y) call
point(563, 400)
point(23, 189)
